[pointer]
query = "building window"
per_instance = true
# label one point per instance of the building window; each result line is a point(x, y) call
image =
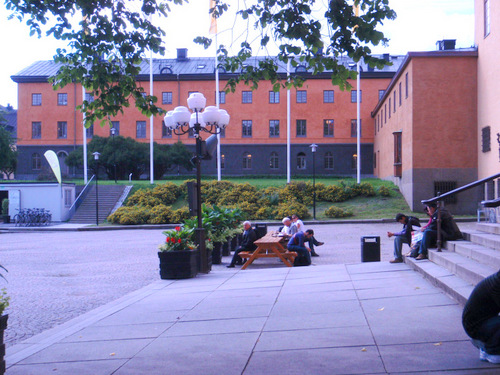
point(328, 96)
point(354, 96)
point(486, 18)
point(223, 133)
point(442, 187)
point(191, 133)
point(406, 85)
point(89, 97)
point(36, 130)
point(36, 99)
point(394, 101)
point(140, 131)
point(274, 97)
point(301, 161)
point(166, 132)
point(62, 129)
point(274, 128)
point(247, 161)
point(166, 97)
point(62, 99)
point(374, 160)
point(390, 104)
point(301, 96)
point(246, 128)
point(486, 138)
point(301, 128)
point(328, 128)
point(116, 125)
point(354, 161)
point(274, 161)
point(90, 131)
point(246, 97)
point(378, 122)
point(400, 94)
point(398, 155)
point(222, 97)
point(67, 198)
point(36, 161)
point(381, 94)
point(385, 113)
point(354, 128)
point(329, 160)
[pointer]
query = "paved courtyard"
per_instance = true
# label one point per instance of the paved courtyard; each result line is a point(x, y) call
point(55, 276)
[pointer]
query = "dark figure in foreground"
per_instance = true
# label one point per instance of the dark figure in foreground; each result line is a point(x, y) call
point(480, 318)
point(449, 230)
point(404, 236)
point(247, 244)
point(296, 244)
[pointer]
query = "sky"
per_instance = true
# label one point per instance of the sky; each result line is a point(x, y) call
point(418, 26)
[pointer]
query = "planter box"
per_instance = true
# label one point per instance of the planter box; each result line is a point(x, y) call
point(181, 264)
point(3, 326)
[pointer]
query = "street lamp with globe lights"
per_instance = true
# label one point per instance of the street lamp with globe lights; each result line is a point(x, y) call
point(212, 120)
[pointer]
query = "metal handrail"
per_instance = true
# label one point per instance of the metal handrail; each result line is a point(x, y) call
point(439, 199)
point(460, 189)
point(78, 201)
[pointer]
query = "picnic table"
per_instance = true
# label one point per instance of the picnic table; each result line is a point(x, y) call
point(269, 246)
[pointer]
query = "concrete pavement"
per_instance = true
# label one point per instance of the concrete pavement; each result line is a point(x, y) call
point(367, 318)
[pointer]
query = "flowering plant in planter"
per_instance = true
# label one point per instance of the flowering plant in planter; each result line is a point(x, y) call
point(178, 239)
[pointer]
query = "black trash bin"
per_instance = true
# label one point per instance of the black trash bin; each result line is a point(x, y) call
point(260, 229)
point(370, 249)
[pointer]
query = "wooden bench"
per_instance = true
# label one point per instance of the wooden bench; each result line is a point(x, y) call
point(269, 246)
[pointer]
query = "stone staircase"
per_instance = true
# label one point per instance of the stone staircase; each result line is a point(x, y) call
point(462, 264)
point(109, 197)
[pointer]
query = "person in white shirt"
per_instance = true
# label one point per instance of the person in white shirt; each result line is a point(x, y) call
point(289, 227)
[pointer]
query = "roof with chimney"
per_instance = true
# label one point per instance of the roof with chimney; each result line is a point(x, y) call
point(203, 68)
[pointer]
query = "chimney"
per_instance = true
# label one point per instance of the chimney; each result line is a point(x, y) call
point(182, 54)
point(386, 56)
point(446, 44)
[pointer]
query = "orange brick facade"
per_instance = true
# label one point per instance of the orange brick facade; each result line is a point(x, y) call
point(335, 153)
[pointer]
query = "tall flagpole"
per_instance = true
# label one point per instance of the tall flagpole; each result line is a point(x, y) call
point(358, 107)
point(151, 118)
point(85, 173)
point(217, 103)
point(288, 151)
point(358, 124)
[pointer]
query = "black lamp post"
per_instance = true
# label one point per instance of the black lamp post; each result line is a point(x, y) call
point(314, 147)
point(212, 121)
point(96, 158)
point(113, 131)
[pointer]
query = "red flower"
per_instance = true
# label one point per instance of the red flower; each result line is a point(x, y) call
point(167, 239)
point(179, 240)
point(178, 229)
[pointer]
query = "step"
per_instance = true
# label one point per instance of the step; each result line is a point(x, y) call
point(492, 228)
point(486, 239)
point(451, 284)
point(479, 253)
point(467, 269)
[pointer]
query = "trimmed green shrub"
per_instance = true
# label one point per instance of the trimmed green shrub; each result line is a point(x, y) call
point(130, 215)
point(334, 193)
point(384, 191)
point(180, 215)
point(337, 212)
point(160, 214)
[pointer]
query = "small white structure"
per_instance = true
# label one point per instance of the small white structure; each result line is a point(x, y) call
point(55, 197)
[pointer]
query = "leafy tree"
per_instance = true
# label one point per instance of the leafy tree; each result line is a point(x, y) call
point(306, 37)
point(180, 156)
point(8, 153)
point(129, 156)
point(112, 37)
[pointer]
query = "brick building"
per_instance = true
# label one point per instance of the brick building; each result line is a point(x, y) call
point(255, 142)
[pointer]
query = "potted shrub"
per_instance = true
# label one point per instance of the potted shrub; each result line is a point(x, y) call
point(4, 303)
point(178, 255)
point(5, 211)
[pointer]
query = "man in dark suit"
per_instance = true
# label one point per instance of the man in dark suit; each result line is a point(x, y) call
point(247, 244)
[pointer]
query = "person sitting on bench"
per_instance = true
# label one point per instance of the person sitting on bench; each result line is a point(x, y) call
point(247, 244)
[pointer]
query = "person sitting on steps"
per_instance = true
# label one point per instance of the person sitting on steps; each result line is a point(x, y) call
point(404, 236)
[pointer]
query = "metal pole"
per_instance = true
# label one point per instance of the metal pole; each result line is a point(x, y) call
point(114, 154)
point(200, 230)
point(97, 195)
point(314, 185)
